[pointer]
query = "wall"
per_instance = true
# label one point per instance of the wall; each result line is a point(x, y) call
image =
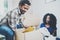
point(40, 7)
point(12, 4)
point(3, 8)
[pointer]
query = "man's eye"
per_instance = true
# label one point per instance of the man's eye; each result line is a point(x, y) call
point(26, 8)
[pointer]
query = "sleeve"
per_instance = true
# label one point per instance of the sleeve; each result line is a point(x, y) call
point(12, 19)
point(42, 25)
point(54, 33)
point(4, 20)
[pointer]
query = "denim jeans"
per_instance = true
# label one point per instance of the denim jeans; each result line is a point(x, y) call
point(7, 32)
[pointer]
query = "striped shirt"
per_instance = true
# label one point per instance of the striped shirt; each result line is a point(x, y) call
point(12, 18)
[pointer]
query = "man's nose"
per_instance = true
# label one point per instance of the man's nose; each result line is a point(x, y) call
point(26, 10)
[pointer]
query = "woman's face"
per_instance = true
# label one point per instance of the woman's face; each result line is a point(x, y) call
point(47, 19)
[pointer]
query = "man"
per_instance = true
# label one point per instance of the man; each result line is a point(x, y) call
point(13, 19)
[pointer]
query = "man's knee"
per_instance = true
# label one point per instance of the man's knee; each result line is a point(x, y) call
point(7, 30)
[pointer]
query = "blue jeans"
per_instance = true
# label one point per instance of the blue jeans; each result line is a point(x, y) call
point(7, 32)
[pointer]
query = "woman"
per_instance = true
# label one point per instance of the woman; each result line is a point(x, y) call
point(49, 21)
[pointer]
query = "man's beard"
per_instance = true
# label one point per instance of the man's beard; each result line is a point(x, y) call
point(22, 11)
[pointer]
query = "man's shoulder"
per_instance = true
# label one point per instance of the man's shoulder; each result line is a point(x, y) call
point(14, 11)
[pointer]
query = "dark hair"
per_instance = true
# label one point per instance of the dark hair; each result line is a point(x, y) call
point(52, 21)
point(23, 2)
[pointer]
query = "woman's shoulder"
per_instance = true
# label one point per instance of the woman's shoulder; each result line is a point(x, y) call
point(42, 25)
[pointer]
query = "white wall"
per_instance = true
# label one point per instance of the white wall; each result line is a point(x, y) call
point(40, 7)
point(2, 9)
point(12, 4)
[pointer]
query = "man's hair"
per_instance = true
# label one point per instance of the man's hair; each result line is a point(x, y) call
point(23, 2)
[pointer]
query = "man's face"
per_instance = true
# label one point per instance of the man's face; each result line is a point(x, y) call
point(24, 8)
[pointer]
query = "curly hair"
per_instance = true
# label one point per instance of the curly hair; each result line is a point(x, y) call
point(53, 20)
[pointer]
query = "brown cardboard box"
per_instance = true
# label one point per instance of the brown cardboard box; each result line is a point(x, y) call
point(34, 35)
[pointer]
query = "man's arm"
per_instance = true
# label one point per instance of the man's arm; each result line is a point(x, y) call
point(3, 20)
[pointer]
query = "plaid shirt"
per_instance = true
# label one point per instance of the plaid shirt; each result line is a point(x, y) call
point(12, 18)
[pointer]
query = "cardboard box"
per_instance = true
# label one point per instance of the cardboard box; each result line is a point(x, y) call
point(34, 35)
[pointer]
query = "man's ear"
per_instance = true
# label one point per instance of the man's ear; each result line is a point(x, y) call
point(19, 6)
